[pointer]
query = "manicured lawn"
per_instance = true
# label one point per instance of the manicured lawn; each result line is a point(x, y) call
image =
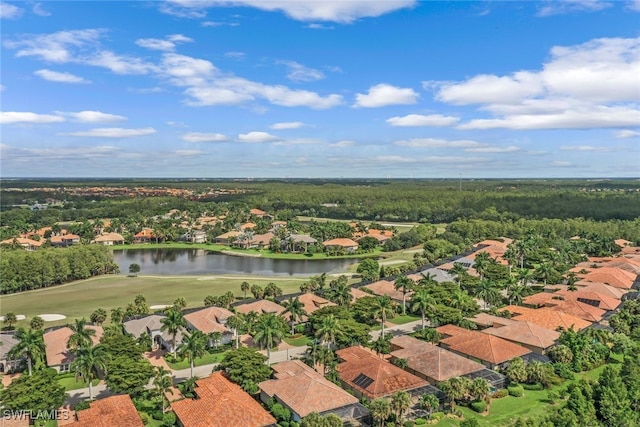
point(70, 383)
point(402, 319)
point(79, 299)
point(297, 341)
point(206, 360)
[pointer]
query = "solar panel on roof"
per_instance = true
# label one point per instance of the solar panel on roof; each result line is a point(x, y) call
point(362, 381)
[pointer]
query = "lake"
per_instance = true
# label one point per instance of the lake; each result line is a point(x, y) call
point(200, 261)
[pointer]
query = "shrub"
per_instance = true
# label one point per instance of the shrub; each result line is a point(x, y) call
point(516, 391)
point(283, 423)
point(500, 393)
point(146, 419)
point(563, 370)
point(280, 412)
point(479, 406)
point(81, 405)
point(536, 386)
point(169, 419)
point(437, 416)
point(420, 421)
point(409, 424)
point(157, 415)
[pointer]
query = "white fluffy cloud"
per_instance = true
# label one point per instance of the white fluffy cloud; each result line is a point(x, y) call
point(383, 94)
point(56, 47)
point(343, 144)
point(89, 116)
point(167, 44)
point(56, 76)
point(343, 11)
point(113, 132)
point(287, 125)
point(626, 133)
point(204, 137)
point(10, 117)
point(583, 148)
point(555, 7)
point(9, 11)
point(301, 73)
point(257, 137)
point(434, 120)
point(591, 85)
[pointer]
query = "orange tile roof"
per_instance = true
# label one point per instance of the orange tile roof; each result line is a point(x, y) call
point(357, 293)
point(605, 301)
point(147, 232)
point(110, 237)
point(552, 319)
point(22, 242)
point(622, 242)
point(487, 320)
point(612, 276)
point(260, 306)
point(221, 403)
point(345, 243)
point(485, 347)
point(525, 333)
point(257, 212)
point(432, 361)
point(304, 390)
point(56, 344)
point(386, 378)
point(579, 309)
point(210, 319)
point(452, 330)
point(229, 234)
point(114, 411)
point(386, 287)
point(313, 302)
point(248, 226)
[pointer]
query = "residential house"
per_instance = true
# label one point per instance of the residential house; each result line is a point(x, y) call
point(228, 238)
point(260, 214)
point(7, 342)
point(357, 294)
point(493, 352)
point(573, 307)
point(145, 236)
point(528, 334)
point(109, 239)
point(113, 411)
point(615, 277)
point(313, 302)
point(260, 306)
point(300, 242)
point(210, 319)
point(152, 325)
point(429, 361)
point(547, 318)
point(220, 402)
point(372, 377)
point(28, 244)
point(64, 240)
point(303, 390)
point(387, 287)
point(194, 236)
point(435, 274)
point(348, 245)
point(57, 354)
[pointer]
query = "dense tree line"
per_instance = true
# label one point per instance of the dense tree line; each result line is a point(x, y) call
point(23, 270)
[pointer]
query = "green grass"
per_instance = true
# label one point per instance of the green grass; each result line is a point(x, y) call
point(79, 299)
point(402, 319)
point(297, 340)
point(70, 383)
point(208, 359)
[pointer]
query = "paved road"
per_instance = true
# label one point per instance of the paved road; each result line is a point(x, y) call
point(396, 330)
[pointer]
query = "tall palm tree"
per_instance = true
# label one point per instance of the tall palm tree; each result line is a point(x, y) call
point(455, 389)
point(383, 308)
point(462, 301)
point(481, 263)
point(235, 323)
point(245, 287)
point(30, 345)
point(173, 323)
point(405, 284)
point(340, 294)
point(572, 279)
point(380, 410)
point(269, 331)
point(488, 292)
point(525, 275)
point(516, 293)
point(544, 270)
point(458, 271)
point(296, 311)
point(82, 334)
point(117, 315)
point(89, 360)
point(163, 383)
point(423, 302)
point(429, 402)
point(329, 329)
point(480, 389)
point(400, 402)
point(193, 346)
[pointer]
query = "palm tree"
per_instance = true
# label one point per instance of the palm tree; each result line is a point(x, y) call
point(424, 302)
point(429, 402)
point(88, 361)
point(193, 346)
point(30, 345)
point(269, 331)
point(400, 402)
point(544, 271)
point(488, 292)
point(117, 315)
point(525, 275)
point(163, 383)
point(235, 323)
point(296, 311)
point(380, 410)
point(458, 271)
point(340, 294)
point(173, 323)
point(245, 287)
point(82, 334)
point(572, 279)
point(10, 319)
point(180, 303)
point(329, 329)
point(462, 301)
point(214, 337)
point(481, 263)
point(405, 284)
point(480, 389)
point(516, 293)
point(455, 389)
point(383, 308)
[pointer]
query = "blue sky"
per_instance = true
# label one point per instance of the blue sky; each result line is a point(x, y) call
point(320, 89)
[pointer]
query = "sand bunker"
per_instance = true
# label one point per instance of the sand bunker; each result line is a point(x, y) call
point(18, 317)
point(52, 317)
point(160, 306)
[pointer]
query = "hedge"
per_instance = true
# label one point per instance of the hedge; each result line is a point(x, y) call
point(479, 406)
point(516, 391)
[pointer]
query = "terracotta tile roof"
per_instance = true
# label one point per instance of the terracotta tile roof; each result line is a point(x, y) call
point(626, 264)
point(22, 242)
point(605, 302)
point(260, 306)
point(221, 403)
point(552, 319)
point(488, 320)
point(485, 347)
point(357, 293)
point(248, 226)
point(210, 319)
point(451, 330)
point(257, 212)
point(147, 232)
point(630, 250)
point(622, 242)
point(490, 242)
point(525, 333)
point(386, 287)
point(361, 366)
point(229, 234)
point(109, 237)
point(304, 390)
point(433, 362)
point(56, 344)
point(615, 277)
point(579, 309)
point(313, 302)
point(345, 243)
point(114, 411)
point(600, 288)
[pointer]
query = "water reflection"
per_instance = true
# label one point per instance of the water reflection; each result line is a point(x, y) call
point(200, 261)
